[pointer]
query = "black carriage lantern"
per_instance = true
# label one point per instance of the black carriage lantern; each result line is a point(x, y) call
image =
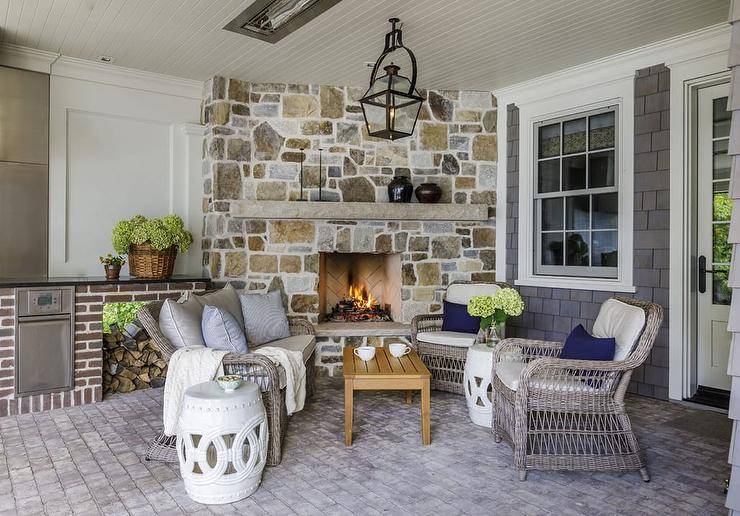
point(391, 104)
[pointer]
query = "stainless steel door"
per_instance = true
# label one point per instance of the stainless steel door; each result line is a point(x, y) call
point(44, 354)
point(24, 202)
point(24, 116)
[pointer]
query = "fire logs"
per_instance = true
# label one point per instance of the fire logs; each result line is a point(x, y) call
point(131, 360)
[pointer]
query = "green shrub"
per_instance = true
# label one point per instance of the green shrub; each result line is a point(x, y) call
point(159, 233)
point(120, 313)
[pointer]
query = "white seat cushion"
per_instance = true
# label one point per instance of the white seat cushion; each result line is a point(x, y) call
point(508, 373)
point(461, 293)
point(447, 338)
point(623, 322)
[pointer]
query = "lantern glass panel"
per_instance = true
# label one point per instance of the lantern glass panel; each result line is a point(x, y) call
point(374, 116)
point(404, 116)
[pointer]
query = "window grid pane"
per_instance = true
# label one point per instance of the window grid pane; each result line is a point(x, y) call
point(581, 238)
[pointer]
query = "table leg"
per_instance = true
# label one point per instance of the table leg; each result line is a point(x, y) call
point(348, 409)
point(426, 434)
point(409, 397)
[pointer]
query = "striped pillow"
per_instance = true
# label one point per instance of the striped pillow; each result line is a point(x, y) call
point(264, 317)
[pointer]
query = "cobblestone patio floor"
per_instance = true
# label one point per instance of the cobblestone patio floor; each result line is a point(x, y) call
point(89, 460)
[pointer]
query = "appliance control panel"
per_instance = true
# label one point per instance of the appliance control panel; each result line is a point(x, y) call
point(41, 301)
point(44, 302)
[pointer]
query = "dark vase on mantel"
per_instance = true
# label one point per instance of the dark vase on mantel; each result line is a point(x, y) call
point(400, 189)
point(428, 192)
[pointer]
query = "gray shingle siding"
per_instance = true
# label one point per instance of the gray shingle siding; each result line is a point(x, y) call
point(551, 313)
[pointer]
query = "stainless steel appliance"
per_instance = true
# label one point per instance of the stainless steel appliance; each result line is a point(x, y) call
point(44, 343)
point(24, 173)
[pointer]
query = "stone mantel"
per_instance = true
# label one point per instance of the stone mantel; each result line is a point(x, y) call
point(358, 211)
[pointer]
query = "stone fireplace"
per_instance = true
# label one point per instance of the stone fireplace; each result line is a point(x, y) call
point(257, 236)
point(359, 287)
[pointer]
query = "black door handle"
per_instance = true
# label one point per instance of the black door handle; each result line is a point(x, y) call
point(703, 271)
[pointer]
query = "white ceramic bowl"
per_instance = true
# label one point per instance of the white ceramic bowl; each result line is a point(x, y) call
point(229, 382)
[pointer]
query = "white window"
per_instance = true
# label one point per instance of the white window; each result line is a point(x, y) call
point(576, 195)
point(576, 187)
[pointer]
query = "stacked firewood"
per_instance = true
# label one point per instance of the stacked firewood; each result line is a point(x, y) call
point(131, 361)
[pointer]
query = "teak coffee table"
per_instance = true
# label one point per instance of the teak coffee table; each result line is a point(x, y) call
point(385, 373)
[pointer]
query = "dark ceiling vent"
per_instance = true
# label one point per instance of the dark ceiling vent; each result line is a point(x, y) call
point(272, 20)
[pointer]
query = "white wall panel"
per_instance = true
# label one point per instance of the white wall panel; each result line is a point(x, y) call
point(116, 152)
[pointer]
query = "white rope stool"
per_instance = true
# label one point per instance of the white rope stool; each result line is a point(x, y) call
point(222, 442)
point(477, 384)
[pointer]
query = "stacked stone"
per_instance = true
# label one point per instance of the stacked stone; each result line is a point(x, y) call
point(251, 152)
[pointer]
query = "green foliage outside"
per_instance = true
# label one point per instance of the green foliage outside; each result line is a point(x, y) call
point(120, 313)
point(159, 233)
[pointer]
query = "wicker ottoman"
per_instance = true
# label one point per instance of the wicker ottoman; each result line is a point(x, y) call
point(222, 442)
point(477, 384)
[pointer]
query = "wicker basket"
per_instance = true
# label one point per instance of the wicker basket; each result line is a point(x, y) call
point(146, 262)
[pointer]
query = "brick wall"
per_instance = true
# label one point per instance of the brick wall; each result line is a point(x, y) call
point(89, 301)
point(552, 312)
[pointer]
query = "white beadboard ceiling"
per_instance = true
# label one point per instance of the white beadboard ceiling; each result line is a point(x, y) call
point(460, 44)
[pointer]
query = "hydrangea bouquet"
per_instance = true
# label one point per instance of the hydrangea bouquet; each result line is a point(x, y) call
point(493, 312)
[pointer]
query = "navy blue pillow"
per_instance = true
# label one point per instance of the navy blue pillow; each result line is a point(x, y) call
point(456, 318)
point(581, 345)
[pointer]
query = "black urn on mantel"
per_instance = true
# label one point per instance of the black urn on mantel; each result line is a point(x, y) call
point(428, 193)
point(400, 189)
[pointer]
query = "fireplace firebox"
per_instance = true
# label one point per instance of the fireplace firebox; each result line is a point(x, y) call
point(359, 287)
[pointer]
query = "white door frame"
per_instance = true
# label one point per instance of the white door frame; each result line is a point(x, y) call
point(686, 78)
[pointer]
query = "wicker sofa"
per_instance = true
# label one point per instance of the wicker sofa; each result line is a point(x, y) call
point(252, 367)
point(444, 353)
point(560, 414)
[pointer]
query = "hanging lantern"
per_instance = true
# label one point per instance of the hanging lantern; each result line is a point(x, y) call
point(391, 104)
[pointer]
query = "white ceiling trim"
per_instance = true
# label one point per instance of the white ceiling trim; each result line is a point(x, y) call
point(686, 47)
point(26, 58)
point(75, 68)
point(63, 66)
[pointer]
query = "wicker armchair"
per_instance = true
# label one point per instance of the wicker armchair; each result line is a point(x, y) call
point(569, 414)
point(446, 362)
point(251, 367)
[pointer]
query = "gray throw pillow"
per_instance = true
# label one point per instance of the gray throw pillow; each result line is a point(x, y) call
point(227, 299)
point(180, 323)
point(221, 331)
point(264, 317)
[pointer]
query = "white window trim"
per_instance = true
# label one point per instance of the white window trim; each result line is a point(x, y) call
point(620, 93)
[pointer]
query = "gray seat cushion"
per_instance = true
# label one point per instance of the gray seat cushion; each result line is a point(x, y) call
point(306, 344)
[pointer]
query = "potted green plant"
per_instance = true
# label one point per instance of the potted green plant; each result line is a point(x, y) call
point(493, 312)
point(151, 244)
point(112, 265)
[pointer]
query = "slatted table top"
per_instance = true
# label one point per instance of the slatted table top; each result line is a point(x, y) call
point(384, 365)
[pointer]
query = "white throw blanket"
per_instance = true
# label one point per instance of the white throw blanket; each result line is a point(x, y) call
point(295, 375)
point(188, 366)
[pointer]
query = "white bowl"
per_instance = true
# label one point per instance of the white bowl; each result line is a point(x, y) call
point(229, 382)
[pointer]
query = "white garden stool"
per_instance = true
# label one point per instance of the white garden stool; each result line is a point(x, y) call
point(477, 384)
point(222, 442)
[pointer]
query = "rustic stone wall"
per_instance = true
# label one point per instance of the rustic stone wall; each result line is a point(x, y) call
point(251, 152)
point(88, 367)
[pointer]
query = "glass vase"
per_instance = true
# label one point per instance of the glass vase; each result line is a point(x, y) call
point(492, 335)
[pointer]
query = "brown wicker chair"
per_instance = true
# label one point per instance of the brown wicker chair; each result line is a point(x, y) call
point(252, 367)
point(446, 363)
point(570, 414)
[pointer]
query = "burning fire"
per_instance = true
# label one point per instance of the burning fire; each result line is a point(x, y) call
point(361, 297)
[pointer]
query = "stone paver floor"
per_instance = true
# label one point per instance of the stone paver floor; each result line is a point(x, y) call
point(89, 460)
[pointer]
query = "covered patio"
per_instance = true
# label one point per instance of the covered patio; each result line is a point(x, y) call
point(89, 459)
